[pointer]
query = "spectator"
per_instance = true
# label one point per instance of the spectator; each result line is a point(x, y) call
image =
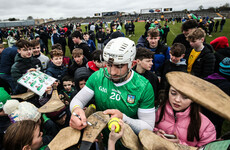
point(79, 43)
point(37, 54)
point(201, 59)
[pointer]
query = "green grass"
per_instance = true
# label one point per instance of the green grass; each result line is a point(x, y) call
point(174, 31)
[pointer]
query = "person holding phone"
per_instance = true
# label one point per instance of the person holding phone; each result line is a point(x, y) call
point(179, 120)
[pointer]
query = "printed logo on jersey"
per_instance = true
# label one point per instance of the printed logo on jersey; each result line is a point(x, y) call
point(102, 89)
point(131, 99)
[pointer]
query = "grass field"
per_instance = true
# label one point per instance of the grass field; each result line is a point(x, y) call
point(174, 31)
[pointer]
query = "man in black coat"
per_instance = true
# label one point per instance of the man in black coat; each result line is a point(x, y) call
point(79, 43)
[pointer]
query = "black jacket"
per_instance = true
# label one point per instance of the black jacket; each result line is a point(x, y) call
point(205, 62)
point(75, 66)
point(85, 47)
point(168, 66)
point(20, 67)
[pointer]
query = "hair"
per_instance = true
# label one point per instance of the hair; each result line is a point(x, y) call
point(67, 78)
point(23, 43)
point(76, 34)
point(197, 33)
point(1, 46)
point(56, 52)
point(97, 55)
point(153, 32)
point(177, 49)
point(195, 119)
point(189, 24)
point(16, 137)
point(143, 53)
point(57, 46)
point(34, 43)
point(85, 33)
point(77, 52)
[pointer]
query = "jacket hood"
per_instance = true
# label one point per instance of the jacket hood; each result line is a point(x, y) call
point(220, 42)
point(80, 73)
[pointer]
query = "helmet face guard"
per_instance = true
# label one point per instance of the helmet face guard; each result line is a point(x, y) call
point(119, 78)
point(119, 51)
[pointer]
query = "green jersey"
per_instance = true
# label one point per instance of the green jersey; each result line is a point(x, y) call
point(127, 96)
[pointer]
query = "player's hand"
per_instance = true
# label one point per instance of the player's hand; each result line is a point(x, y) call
point(114, 113)
point(77, 123)
point(113, 136)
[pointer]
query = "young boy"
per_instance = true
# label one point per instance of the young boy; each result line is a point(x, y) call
point(79, 61)
point(23, 62)
point(66, 60)
point(90, 43)
point(176, 63)
point(68, 87)
point(201, 60)
point(144, 58)
point(56, 69)
point(37, 54)
point(96, 63)
point(161, 52)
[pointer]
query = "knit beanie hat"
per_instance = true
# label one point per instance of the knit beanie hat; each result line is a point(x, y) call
point(220, 42)
point(4, 96)
point(225, 66)
point(57, 114)
point(21, 111)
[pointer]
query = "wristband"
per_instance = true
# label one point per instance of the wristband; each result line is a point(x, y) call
point(75, 107)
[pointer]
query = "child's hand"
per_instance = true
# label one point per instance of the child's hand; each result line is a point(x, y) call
point(174, 140)
point(160, 132)
point(61, 96)
point(115, 136)
point(48, 90)
point(31, 69)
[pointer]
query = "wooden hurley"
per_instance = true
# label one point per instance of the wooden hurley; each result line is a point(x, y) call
point(65, 138)
point(24, 96)
point(68, 136)
point(130, 139)
point(54, 104)
point(99, 122)
point(151, 141)
point(202, 92)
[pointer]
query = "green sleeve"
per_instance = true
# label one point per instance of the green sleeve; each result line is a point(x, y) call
point(147, 97)
point(92, 80)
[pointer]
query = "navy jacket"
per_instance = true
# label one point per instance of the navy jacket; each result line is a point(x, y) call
point(57, 72)
point(7, 59)
point(161, 52)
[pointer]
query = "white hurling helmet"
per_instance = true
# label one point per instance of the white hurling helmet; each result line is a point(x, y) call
point(120, 50)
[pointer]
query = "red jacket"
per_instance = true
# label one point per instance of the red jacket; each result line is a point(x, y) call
point(180, 125)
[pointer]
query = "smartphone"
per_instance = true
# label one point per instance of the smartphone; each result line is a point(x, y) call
point(170, 136)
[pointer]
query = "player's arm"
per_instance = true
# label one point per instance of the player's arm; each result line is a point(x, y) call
point(76, 105)
point(146, 120)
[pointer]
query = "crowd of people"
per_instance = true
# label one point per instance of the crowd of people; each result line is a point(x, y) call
point(121, 78)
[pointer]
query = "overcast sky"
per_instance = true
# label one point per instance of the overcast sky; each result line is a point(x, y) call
point(21, 9)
